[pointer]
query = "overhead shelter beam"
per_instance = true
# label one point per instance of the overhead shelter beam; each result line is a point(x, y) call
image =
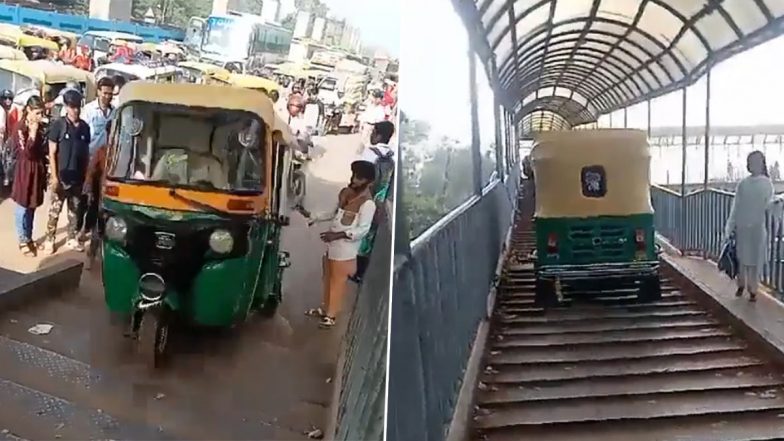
point(607, 54)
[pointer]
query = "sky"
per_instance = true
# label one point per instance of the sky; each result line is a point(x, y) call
point(745, 89)
point(378, 21)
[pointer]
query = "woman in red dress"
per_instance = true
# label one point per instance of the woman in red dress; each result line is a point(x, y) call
point(29, 172)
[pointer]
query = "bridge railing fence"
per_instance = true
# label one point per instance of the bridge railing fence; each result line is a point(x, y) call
point(439, 299)
point(695, 225)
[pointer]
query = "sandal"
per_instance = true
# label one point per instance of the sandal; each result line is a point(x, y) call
point(32, 249)
point(739, 292)
point(25, 249)
point(315, 312)
point(327, 322)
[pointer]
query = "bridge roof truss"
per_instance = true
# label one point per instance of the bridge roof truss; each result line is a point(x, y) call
point(578, 59)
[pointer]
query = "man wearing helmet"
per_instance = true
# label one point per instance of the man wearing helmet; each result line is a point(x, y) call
point(350, 221)
point(69, 153)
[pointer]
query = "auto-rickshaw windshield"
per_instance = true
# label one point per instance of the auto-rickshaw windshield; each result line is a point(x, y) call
point(183, 147)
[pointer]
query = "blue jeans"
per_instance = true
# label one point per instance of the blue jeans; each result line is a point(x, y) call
point(24, 223)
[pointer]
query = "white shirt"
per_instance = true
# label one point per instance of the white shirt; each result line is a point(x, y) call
point(374, 113)
point(96, 119)
point(347, 249)
point(370, 156)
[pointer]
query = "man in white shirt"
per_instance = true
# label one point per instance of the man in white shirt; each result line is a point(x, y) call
point(374, 113)
point(381, 155)
point(350, 221)
point(96, 114)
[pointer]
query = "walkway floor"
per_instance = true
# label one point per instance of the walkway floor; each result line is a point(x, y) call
point(264, 379)
point(765, 317)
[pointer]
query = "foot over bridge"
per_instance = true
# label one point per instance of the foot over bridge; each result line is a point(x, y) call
point(472, 358)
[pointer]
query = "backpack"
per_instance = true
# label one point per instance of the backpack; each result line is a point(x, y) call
point(385, 167)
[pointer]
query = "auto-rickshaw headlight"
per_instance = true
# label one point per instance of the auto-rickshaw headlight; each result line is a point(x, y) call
point(221, 241)
point(116, 229)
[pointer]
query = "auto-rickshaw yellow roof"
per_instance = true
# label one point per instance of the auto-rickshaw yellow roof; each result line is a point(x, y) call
point(583, 58)
point(9, 53)
point(200, 95)
point(252, 82)
point(203, 67)
point(47, 71)
point(559, 158)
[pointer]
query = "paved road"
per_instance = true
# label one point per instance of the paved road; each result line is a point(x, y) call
point(266, 379)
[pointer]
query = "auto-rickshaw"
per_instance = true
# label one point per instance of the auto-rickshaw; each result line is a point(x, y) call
point(263, 85)
point(9, 53)
point(32, 46)
point(198, 72)
point(593, 218)
point(46, 76)
point(194, 204)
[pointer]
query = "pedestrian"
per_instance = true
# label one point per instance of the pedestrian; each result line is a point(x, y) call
point(92, 191)
point(97, 113)
point(69, 152)
point(748, 223)
point(6, 151)
point(381, 155)
point(350, 222)
point(27, 192)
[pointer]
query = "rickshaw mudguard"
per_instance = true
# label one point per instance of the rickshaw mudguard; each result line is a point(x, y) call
point(221, 294)
point(120, 279)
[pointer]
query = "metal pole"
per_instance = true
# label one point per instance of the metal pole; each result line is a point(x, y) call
point(476, 152)
point(683, 174)
point(649, 118)
point(500, 158)
point(707, 124)
point(625, 118)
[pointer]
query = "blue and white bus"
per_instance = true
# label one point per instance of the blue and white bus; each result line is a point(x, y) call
point(237, 40)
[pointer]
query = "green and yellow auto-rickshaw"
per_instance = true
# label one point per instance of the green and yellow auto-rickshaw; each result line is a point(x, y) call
point(193, 202)
point(204, 73)
point(593, 218)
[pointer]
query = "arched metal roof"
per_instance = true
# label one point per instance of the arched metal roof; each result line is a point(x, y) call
point(583, 58)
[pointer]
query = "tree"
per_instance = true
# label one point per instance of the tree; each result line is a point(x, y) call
point(173, 12)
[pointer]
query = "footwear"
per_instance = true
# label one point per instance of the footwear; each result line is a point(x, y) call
point(752, 297)
point(355, 279)
point(75, 245)
point(315, 312)
point(31, 248)
point(326, 322)
point(48, 246)
point(739, 292)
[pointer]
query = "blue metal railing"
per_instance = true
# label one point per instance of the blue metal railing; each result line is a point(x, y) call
point(702, 230)
point(439, 298)
point(19, 15)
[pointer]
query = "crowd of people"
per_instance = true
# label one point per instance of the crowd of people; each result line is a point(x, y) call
point(56, 150)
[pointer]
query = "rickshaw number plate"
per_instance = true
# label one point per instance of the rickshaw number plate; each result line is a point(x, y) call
point(164, 241)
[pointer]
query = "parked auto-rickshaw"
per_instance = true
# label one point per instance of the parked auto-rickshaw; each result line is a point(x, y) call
point(32, 46)
point(263, 85)
point(9, 53)
point(203, 73)
point(47, 77)
point(192, 206)
point(593, 218)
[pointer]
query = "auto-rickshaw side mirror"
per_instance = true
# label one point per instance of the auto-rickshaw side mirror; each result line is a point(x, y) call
point(136, 127)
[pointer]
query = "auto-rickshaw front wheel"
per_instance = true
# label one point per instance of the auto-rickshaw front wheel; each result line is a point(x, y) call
point(153, 335)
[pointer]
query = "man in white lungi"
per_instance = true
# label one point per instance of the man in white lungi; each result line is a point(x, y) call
point(753, 198)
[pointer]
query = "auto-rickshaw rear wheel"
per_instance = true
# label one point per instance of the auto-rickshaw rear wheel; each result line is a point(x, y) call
point(650, 290)
point(153, 336)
